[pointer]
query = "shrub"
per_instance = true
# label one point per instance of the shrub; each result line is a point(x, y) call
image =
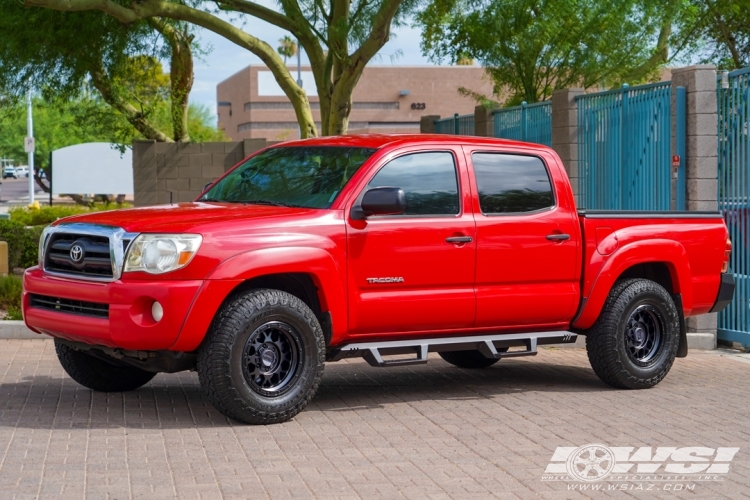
point(23, 243)
point(47, 215)
point(10, 296)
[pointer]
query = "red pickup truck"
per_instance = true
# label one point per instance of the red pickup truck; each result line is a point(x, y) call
point(385, 247)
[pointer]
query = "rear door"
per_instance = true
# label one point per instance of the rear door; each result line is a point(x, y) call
point(528, 243)
point(415, 272)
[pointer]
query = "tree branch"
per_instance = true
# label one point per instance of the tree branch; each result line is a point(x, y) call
point(137, 119)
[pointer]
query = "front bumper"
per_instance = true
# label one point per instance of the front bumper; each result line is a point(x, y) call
point(129, 325)
point(726, 292)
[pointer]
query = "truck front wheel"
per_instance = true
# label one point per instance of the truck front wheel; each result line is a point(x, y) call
point(262, 360)
point(97, 374)
point(634, 342)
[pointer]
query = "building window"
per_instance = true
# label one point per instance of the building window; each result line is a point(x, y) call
point(251, 106)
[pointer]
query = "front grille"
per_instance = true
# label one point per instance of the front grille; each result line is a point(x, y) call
point(79, 254)
point(81, 307)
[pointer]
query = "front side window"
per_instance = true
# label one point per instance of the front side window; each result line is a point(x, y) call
point(428, 180)
point(309, 177)
point(511, 183)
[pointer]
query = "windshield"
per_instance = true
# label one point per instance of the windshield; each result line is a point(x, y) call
point(309, 177)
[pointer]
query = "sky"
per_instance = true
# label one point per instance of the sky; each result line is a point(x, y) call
point(226, 58)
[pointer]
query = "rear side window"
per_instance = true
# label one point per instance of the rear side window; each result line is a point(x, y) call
point(511, 183)
point(428, 179)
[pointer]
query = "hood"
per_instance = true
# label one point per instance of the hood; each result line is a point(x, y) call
point(186, 217)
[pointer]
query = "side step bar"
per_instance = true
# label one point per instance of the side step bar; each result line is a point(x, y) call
point(492, 346)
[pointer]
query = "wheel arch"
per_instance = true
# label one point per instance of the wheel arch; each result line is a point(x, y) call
point(311, 274)
point(662, 261)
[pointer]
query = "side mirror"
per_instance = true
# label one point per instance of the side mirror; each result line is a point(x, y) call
point(381, 201)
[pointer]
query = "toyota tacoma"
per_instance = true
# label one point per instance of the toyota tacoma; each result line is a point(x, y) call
point(381, 247)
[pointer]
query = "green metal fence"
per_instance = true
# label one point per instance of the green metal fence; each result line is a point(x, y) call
point(527, 122)
point(624, 157)
point(733, 100)
point(457, 125)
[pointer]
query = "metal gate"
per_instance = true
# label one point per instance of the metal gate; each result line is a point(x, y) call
point(456, 125)
point(624, 157)
point(527, 122)
point(733, 99)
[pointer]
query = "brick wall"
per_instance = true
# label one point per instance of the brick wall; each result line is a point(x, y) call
point(183, 169)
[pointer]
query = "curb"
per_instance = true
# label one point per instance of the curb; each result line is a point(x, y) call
point(18, 330)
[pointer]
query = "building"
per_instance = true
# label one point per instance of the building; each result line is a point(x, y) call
point(388, 99)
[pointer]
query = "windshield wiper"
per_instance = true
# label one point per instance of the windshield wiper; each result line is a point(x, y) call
point(271, 203)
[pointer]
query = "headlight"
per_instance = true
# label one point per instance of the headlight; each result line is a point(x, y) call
point(161, 253)
point(40, 252)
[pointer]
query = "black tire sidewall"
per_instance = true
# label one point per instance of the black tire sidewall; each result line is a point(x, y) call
point(307, 361)
point(669, 338)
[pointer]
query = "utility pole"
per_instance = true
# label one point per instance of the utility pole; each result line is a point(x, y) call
point(29, 146)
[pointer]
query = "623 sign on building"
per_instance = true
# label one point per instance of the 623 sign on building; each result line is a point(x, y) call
point(418, 105)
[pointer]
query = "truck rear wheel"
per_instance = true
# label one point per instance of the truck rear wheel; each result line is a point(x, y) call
point(262, 360)
point(97, 374)
point(469, 359)
point(634, 341)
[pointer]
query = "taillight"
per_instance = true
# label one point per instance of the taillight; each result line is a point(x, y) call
point(727, 253)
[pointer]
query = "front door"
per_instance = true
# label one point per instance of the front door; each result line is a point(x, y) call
point(415, 272)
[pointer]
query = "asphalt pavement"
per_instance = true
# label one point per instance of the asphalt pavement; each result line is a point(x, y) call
point(16, 192)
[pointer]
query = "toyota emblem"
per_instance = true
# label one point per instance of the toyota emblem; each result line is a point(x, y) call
point(76, 253)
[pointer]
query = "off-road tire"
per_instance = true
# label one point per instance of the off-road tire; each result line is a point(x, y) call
point(97, 374)
point(222, 357)
point(469, 359)
point(607, 342)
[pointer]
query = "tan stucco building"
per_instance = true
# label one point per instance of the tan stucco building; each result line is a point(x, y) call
point(388, 99)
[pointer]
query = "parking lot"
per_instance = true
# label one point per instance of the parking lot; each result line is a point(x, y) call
point(429, 431)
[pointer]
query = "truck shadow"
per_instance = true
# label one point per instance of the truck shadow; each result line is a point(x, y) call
point(176, 401)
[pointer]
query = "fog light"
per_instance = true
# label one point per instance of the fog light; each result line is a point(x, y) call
point(157, 311)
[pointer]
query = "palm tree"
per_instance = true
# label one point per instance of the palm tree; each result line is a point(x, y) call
point(287, 47)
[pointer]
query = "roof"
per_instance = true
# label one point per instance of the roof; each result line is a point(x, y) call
point(380, 140)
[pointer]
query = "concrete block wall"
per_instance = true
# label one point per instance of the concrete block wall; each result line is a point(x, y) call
point(484, 122)
point(701, 166)
point(565, 131)
point(427, 124)
point(183, 169)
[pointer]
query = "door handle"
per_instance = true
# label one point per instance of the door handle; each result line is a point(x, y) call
point(459, 239)
point(558, 237)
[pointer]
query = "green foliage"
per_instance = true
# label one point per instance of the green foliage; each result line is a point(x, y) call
point(531, 48)
point(67, 121)
point(11, 289)
point(23, 243)
point(47, 215)
point(287, 47)
point(715, 32)
point(58, 123)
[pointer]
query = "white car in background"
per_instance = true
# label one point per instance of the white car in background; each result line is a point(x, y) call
point(22, 171)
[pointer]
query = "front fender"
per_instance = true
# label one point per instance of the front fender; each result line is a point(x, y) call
point(668, 252)
point(319, 264)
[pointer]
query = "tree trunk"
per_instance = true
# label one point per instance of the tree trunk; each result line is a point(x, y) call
point(180, 77)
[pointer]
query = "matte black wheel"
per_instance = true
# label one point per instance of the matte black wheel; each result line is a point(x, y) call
point(634, 341)
point(97, 374)
point(262, 359)
point(469, 359)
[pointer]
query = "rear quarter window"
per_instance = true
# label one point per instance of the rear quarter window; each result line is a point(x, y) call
point(509, 183)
